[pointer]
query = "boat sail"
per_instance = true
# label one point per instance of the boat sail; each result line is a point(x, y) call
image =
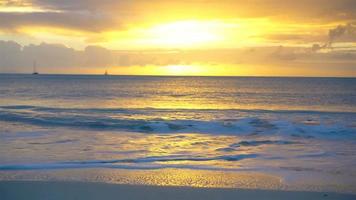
point(34, 68)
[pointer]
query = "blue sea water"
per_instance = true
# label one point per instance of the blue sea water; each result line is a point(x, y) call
point(267, 124)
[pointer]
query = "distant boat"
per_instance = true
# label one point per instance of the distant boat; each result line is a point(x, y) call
point(106, 73)
point(34, 68)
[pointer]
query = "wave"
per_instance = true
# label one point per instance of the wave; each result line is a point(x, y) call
point(156, 161)
point(296, 123)
point(54, 142)
point(129, 110)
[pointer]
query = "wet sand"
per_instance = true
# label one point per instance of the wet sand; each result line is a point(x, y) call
point(33, 190)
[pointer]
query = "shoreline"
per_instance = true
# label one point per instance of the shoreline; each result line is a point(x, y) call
point(18, 190)
point(297, 181)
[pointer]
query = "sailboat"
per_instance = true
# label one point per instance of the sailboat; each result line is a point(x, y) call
point(34, 68)
point(106, 73)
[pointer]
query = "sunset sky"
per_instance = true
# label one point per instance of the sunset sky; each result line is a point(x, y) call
point(197, 37)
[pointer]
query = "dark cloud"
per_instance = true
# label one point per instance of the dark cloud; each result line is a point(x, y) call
point(98, 56)
point(326, 8)
point(91, 5)
point(74, 21)
point(296, 38)
point(57, 58)
point(317, 47)
point(98, 15)
point(342, 33)
point(9, 55)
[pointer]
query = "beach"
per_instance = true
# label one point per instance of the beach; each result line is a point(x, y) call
point(90, 191)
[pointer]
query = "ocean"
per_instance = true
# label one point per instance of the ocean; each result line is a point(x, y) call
point(299, 129)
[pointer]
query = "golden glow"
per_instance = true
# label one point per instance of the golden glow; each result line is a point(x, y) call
point(186, 34)
point(183, 33)
point(178, 25)
point(184, 70)
point(179, 70)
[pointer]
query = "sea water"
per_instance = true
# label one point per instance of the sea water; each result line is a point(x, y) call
point(293, 127)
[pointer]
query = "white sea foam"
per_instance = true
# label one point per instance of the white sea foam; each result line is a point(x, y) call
point(205, 121)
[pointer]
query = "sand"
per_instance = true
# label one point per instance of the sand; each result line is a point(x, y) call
point(39, 190)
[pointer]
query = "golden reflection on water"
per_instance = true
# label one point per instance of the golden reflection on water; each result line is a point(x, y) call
point(189, 150)
point(216, 173)
point(193, 93)
point(185, 178)
point(166, 144)
point(179, 93)
point(162, 177)
point(195, 178)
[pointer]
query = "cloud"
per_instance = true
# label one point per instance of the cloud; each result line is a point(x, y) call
point(317, 47)
point(10, 52)
point(283, 53)
point(344, 33)
point(14, 3)
point(296, 37)
point(122, 24)
point(288, 23)
point(238, 8)
point(95, 15)
point(57, 58)
point(98, 56)
point(73, 21)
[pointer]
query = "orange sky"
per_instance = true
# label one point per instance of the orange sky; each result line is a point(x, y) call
point(308, 37)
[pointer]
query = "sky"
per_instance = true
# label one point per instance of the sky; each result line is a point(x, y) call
point(195, 37)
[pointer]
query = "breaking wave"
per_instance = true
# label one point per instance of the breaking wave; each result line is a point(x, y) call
point(295, 123)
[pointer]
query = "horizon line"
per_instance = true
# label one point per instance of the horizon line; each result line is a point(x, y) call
point(152, 75)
